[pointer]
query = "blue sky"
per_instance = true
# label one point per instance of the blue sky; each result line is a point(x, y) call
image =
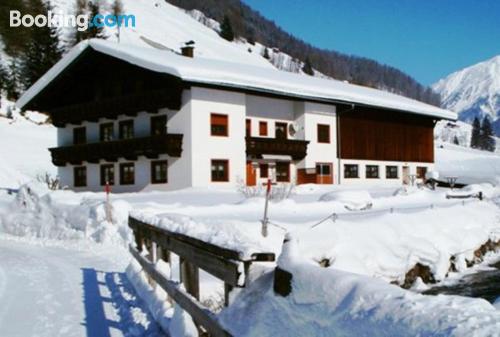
point(428, 39)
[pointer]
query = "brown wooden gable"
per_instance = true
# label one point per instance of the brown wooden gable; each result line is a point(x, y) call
point(97, 85)
point(374, 134)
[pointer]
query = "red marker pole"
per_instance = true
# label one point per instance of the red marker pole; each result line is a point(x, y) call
point(107, 190)
point(265, 220)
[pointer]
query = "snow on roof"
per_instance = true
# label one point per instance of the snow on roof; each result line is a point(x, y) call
point(241, 76)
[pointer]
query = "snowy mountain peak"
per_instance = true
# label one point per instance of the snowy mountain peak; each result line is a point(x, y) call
point(473, 91)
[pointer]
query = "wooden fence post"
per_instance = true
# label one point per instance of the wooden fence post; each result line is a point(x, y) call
point(227, 290)
point(190, 277)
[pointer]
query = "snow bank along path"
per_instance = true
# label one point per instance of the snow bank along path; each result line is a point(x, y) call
point(329, 302)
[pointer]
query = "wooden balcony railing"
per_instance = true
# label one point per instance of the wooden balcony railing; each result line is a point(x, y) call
point(112, 107)
point(130, 149)
point(258, 146)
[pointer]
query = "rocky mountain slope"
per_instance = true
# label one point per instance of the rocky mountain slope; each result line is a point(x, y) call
point(473, 92)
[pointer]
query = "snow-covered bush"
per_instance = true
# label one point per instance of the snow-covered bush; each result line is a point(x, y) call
point(281, 192)
point(352, 200)
point(249, 191)
point(39, 212)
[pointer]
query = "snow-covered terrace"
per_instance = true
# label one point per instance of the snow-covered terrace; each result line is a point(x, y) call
point(218, 73)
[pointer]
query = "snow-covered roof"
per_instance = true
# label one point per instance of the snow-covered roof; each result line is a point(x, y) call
point(241, 76)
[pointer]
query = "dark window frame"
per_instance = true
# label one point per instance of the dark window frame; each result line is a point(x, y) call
point(279, 176)
point(330, 169)
point(419, 171)
point(248, 127)
point(264, 168)
point(121, 129)
point(369, 174)
point(278, 126)
point(263, 128)
point(388, 172)
point(80, 180)
point(123, 166)
point(224, 127)
point(104, 126)
point(161, 180)
point(158, 125)
point(322, 133)
point(347, 173)
point(102, 170)
point(79, 135)
point(225, 177)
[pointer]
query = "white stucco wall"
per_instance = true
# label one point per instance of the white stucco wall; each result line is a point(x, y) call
point(206, 147)
point(315, 114)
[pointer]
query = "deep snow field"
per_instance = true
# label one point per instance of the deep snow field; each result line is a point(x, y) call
point(366, 252)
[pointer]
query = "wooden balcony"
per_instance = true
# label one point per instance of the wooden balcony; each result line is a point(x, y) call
point(112, 107)
point(258, 146)
point(130, 149)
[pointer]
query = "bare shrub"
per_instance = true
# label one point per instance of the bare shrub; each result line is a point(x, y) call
point(50, 181)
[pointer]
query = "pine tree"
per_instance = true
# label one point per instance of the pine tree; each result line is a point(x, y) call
point(266, 54)
point(455, 140)
point(307, 68)
point(487, 142)
point(13, 82)
point(117, 10)
point(79, 35)
point(476, 134)
point(3, 76)
point(226, 31)
point(95, 30)
point(42, 51)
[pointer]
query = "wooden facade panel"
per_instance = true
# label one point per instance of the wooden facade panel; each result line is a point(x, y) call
point(372, 134)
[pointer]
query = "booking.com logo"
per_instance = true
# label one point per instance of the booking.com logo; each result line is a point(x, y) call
point(81, 22)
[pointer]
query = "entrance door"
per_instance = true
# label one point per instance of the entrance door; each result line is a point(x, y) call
point(251, 176)
point(406, 175)
point(324, 173)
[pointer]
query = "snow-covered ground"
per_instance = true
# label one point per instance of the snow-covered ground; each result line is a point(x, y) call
point(365, 252)
point(68, 289)
point(24, 146)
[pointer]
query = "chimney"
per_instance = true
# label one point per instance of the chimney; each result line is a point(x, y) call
point(188, 49)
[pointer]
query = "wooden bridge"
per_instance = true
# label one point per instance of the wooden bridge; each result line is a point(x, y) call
point(194, 254)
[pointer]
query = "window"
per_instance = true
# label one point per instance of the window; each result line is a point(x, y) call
point(323, 133)
point(220, 170)
point(80, 176)
point(126, 129)
point(391, 172)
point(159, 172)
point(107, 174)
point(127, 174)
point(158, 125)
point(248, 128)
point(79, 135)
point(372, 171)
point(421, 172)
point(351, 171)
point(280, 132)
point(282, 172)
point(219, 125)
point(262, 128)
point(106, 132)
point(324, 169)
point(264, 170)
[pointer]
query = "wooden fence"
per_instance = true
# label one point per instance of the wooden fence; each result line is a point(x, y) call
point(194, 254)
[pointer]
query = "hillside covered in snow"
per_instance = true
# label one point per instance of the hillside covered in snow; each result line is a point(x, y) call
point(473, 92)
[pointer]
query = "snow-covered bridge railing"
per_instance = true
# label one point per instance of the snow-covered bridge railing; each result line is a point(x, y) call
point(225, 264)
